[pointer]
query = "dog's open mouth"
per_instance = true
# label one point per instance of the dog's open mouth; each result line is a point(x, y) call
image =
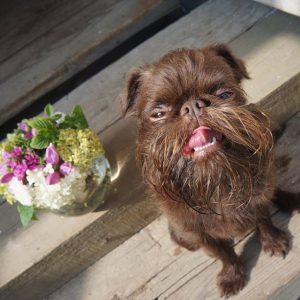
point(203, 140)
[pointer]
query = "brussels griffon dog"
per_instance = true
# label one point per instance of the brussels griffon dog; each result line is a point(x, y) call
point(205, 154)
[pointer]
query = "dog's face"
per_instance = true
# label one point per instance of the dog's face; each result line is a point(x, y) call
point(198, 139)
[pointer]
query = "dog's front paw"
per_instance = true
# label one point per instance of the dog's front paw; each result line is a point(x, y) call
point(275, 242)
point(231, 280)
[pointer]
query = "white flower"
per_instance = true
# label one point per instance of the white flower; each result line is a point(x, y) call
point(48, 169)
point(54, 196)
point(20, 191)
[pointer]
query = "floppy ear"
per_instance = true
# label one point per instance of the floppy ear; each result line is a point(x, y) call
point(131, 93)
point(235, 63)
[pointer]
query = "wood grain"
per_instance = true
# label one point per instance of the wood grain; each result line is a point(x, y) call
point(23, 23)
point(289, 6)
point(289, 290)
point(149, 266)
point(70, 45)
point(44, 270)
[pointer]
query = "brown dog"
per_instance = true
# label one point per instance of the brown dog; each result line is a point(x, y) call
point(205, 154)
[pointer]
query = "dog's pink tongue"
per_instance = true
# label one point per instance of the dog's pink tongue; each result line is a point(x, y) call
point(200, 136)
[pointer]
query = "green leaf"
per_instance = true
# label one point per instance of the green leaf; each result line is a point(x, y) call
point(34, 217)
point(79, 117)
point(46, 133)
point(26, 214)
point(57, 116)
point(39, 143)
point(66, 124)
point(75, 120)
point(43, 138)
point(41, 123)
point(49, 110)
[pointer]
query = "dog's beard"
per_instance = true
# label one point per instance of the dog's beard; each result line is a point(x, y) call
point(227, 178)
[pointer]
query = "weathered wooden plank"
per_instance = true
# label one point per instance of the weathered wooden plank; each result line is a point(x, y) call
point(289, 6)
point(284, 101)
point(9, 219)
point(289, 290)
point(279, 36)
point(149, 266)
point(125, 273)
point(54, 264)
point(267, 273)
point(34, 19)
point(70, 46)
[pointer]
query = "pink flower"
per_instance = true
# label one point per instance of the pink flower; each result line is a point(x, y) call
point(23, 126)
point(7, 177)
point(3, 169)
point(32, 161)
point(65, 168)
point(19, 170)
point(17, 152)
point(12, 164)
point(33, 131)
point(51, 156)
point(9, 160)
point(17, 162)
point(6, 156)
point(27, 132)
point(53, 178)
point(28, 135)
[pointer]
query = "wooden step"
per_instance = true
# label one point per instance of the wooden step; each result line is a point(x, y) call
point(72, 244)
point(289, 6)
point(44, 43)
point(150, 266)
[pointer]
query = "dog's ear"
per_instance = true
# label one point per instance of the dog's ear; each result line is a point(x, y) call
point(237, 65)
point(130, 95)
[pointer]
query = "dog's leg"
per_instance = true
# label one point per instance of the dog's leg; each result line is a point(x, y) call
point(273, 240)
point(186, 239)
point(232, 277)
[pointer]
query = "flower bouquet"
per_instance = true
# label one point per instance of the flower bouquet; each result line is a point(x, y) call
point(55, 163)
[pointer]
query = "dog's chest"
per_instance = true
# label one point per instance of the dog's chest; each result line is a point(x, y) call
point(226, 225)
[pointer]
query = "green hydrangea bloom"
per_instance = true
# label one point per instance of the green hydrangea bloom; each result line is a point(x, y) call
point(15, 139)
point(79, 146)
point(5, 194)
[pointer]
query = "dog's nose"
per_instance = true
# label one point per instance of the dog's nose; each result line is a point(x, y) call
point(192, 108)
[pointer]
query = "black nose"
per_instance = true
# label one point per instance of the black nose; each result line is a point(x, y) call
point(192, 108)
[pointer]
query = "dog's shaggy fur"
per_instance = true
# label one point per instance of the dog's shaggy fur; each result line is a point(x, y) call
point(216, 194)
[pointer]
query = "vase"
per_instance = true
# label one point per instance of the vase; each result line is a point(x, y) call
point(92, 193)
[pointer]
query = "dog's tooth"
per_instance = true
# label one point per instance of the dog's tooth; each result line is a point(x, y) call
point(196, 149)
point(214, 140)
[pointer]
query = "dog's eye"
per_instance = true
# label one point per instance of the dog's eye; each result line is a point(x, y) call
point(158, 115)
point(160, 112)
point(225, 95)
